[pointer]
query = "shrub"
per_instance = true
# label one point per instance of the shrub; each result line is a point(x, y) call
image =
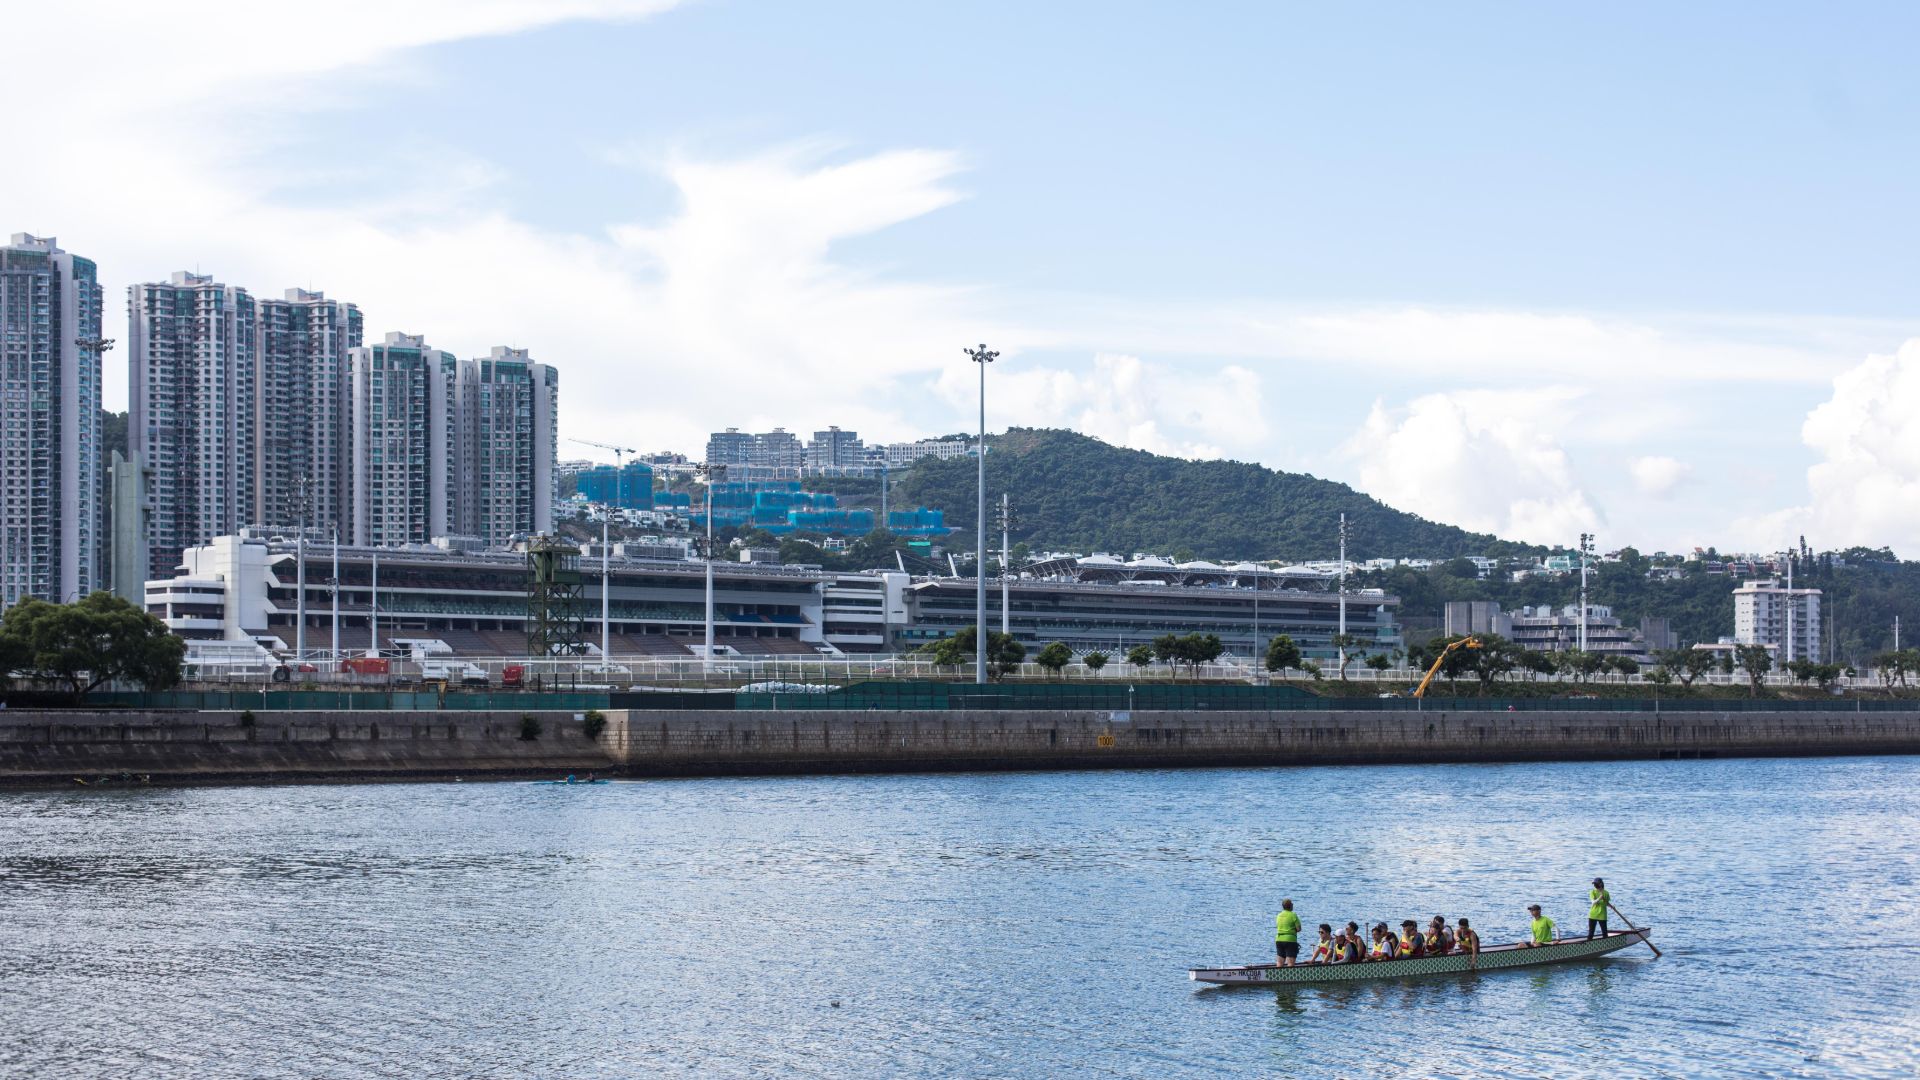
point(246, 717)
point(593, 723)
point(530, 727)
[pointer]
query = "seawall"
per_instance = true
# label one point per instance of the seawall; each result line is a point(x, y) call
point(46, 747)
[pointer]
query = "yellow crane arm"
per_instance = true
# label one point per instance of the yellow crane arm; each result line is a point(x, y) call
point(1468, 642)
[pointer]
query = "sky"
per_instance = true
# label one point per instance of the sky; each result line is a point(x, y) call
point(1641, 270)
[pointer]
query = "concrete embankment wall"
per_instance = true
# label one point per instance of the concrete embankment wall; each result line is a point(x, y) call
point(187, 746)
point(57, 746)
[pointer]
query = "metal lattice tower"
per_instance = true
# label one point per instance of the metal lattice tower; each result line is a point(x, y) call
point(555, 598)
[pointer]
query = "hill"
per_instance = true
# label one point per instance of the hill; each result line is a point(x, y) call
point(1070, 491)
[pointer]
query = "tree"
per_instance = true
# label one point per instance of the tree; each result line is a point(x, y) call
point(97, 640)
point(1625, 665)
point(1349, 645)
point(1166, 649)
point(1094, 661)
point(1055, 657)
point(1004, 652)
point(1282, 653)
point(1191, 649)
point(1140, 656)
point(1537, 662)
point(1756, 661)
point(1687, 664)
point(1496, 656)
point(1379, 661)
point(1581, 665)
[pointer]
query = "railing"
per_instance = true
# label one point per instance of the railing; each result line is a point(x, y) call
point(631, 671)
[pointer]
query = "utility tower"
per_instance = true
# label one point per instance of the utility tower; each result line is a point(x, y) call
point(554, 598)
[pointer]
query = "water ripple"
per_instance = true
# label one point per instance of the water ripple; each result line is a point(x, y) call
point(976, 925)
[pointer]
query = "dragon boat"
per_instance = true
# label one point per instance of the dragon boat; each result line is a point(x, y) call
point(1494, 958)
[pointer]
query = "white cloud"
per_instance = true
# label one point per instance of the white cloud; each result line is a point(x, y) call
point(1658, 476)
point(1481, 459)
point(736, 307)
point(1866, 487)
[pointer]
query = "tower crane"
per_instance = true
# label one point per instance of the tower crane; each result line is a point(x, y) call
point(617, 450)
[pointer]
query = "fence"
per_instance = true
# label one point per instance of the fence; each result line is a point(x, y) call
point(902, 695)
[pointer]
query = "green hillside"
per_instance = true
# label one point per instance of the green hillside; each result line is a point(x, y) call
point(1070, 491)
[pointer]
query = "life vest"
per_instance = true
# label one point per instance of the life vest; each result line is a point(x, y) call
point(1467, 939)
point(1385, 948)
point(1410, 945)
point(1323, 951)
point(1434, 941)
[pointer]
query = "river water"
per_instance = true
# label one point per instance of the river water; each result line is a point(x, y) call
point(1032, 924)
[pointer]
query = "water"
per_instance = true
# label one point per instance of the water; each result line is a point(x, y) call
point(979, 925)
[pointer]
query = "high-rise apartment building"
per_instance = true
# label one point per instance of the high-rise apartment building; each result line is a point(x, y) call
point(1785, 620)
point(302, 431)
point(730, 447)
point(403, 411)
point(50, 484)
point(194, 366)
point(833, 448)
point(509, 413)
point(776, 449)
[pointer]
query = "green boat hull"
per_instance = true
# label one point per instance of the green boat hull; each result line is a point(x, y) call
point(1499, 958)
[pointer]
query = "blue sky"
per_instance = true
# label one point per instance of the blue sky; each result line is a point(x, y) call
point(1532, 270)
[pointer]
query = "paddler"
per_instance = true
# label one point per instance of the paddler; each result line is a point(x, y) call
point(1540, 928)
point(1469, 942)
point(1383, 944)
point(1323, 949)
point(1598, 901)
point(1286, 935)
point(1410, 941)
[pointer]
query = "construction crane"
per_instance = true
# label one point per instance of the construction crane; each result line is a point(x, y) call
point(617, 450)
point(1468, 642)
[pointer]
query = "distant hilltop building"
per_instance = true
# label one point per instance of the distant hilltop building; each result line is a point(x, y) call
point(906, 453)
point(50, 349)
point(776, 449)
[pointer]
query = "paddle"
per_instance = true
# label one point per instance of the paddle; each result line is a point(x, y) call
point(1644, 941)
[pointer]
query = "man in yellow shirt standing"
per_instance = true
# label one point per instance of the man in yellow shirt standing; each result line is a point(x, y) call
point(1286, 935)
point(1540, 928)
point(1600, 901)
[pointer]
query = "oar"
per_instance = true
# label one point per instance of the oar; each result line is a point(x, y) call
point(1648, 942)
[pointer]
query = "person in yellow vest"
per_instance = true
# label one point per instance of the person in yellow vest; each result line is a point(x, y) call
point(1540, 929)
point(1469, 941)
point(1384, 947)
point(1599, 899)
point(1286, 935)
point(1411, 943)
point(1323, 949)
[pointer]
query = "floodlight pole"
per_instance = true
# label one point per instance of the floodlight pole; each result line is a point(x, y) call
point(1342, 654)
point(712, 473)
point(1586, 545)
point(982, 356)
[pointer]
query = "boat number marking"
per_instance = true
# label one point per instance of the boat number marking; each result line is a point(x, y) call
point(1104, 741)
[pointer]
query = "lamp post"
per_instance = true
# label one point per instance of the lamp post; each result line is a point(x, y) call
point(711, 473)
point(334, 642)
point(982, 356)
point(1586, 547)
point(1342, 653)
point(606, 587)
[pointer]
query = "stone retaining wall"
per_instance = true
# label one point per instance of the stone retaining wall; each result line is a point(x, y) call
point(40, 747)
